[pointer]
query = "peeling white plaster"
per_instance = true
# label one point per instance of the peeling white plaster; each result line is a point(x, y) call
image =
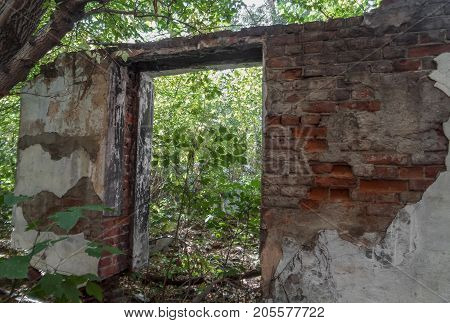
point(410, 263)
point(37, 172)
point(66, 256)
point(442, 74)
point(63, 105)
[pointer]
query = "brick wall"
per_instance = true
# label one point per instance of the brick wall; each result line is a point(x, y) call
point(353, 127)
point(116, 231)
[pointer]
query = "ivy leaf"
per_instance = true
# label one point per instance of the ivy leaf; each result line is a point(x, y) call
point(94, 290)
point(15, 267)
point(11, 199)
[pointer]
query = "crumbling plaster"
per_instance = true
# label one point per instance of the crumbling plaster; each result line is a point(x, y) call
point(407, 263)
point(67, 104)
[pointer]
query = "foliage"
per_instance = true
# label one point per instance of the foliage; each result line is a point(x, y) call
point(54, 285)
point(9, 128)
point(298, 11)
point(206, 169)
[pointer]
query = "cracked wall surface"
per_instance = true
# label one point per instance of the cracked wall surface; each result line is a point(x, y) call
point(354, 195)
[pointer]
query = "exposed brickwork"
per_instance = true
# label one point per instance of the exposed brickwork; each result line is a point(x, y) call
point(362, 149)
point(116, 231)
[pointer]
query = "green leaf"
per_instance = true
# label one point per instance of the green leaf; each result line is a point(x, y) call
point(15, 267)
point(49, 285)
point(112, 250)
point(67, 219)
point(11, 199)
point(95, 249)
point(34, 225)
point(70, 292)
point(40, 246)
point(94, 290)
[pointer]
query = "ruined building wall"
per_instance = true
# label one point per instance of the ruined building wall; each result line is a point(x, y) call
point(355, 188)
point(77, 147)
point(353, 138)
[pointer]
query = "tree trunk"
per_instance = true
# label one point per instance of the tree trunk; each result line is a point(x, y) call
point(21, 45)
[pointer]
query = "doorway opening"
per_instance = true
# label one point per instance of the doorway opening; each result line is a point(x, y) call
point(205, 194)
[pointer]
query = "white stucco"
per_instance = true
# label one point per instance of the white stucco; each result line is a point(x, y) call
point(442, 74)
point(37, 172)
point(66, 256)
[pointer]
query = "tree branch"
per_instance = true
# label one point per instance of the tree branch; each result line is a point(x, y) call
point(137, 14)
point(16, 69)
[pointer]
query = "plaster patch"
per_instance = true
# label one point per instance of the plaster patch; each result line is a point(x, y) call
point(74, 108)
point(37, 171)
point(442, 74)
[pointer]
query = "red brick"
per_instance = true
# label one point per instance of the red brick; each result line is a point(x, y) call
point(273, 120)
point(311, 119)
point(411, 172)
point(432, 36)
point(105, 261)
point(292, 74)
point(335, 182)
point(430, 50)
point(410, 197)
point(386, 159)
point(383, 186)
point(322, 168)
point(433, 171)
point(371, 197)
point(363, 94)
point(318, 193)
point(316, 146)
point(289, 120)
point(321, 107)
point(394, 52)
point(108, 271)
point(314, 47)
point(404, 65)
point(420, 184)
point(309, 205)
point(342, 171)
point(309, 132)
point(274, 51)
point(385, 171)
point(370, 106)
point(279, 62)
point(339, 195)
